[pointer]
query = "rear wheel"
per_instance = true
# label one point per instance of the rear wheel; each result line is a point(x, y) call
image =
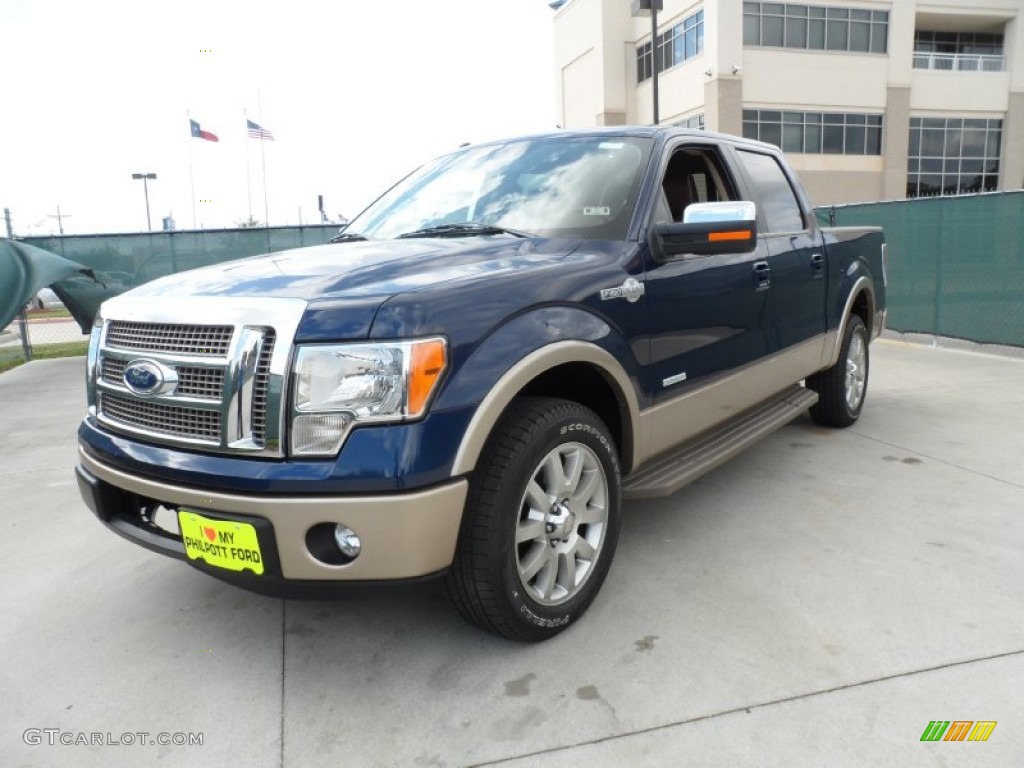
point(841, 389)
point(541, 523)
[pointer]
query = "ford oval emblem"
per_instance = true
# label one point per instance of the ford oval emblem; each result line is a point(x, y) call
point(143, 377)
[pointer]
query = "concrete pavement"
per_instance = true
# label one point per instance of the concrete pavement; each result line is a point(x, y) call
point(816, 601)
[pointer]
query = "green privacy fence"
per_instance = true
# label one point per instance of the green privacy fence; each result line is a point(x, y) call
point(124, 261)
point(956, 264)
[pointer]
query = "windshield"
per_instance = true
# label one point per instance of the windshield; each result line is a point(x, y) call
point(551, 187)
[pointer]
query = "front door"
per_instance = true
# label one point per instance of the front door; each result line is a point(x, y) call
point(707, 313)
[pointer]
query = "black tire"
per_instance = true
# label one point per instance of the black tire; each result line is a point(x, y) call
point(843, 387)
point(490, 581)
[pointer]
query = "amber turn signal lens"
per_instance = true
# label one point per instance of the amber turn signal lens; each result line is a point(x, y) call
point(743, 234)
point(425, 369)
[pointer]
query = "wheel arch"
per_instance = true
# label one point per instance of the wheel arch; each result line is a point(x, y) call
point(573, 370)
point(860, 301)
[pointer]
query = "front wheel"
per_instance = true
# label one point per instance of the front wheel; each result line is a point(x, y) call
point(841, 389)
point(541, 523)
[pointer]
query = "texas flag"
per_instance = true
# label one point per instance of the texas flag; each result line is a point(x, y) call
point(199, 133)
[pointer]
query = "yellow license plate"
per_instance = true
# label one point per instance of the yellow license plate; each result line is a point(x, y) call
point(221, 543)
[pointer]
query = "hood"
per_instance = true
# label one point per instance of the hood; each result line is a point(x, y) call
point(344, 284)
point(363, 270)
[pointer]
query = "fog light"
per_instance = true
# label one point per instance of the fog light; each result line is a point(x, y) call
point(319, 434)
point(348, 541)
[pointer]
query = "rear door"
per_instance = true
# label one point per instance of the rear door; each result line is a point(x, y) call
point(796, 256)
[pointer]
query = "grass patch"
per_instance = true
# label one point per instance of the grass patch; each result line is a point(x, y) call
point(11, 357)
point(43, 314)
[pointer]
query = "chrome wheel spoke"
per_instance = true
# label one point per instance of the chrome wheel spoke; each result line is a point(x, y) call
point(592, 513)
point(554, 473)
point(548, 576)
point(572, 479)
point(534, 561)
point(539, 501)
point(567, 572)
point(585, 491)
point(531, 529)
point(584, 550)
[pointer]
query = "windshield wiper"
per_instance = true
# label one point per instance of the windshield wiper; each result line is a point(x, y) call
point(347, 237)
point(465, 229)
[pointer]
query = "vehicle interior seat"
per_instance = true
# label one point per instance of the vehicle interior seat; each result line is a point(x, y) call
point(680, 191)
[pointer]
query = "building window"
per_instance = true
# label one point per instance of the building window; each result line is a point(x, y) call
point(677, 44)
point(815, 133)
point(643, 62)
point(953, 156)
point(695, 123)
point(959, 51)
point(815, 28)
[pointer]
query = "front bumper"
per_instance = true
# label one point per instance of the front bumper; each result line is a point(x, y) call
point(404, 535)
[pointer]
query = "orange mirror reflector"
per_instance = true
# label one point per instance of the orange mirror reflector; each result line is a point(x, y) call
point(743, 234)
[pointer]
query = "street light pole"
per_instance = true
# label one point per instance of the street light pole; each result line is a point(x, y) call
point(654, 58)
point(145, 188)
point(642, 8)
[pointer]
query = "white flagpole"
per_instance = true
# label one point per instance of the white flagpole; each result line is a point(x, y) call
point(263, 162)
point(191, 172)
point(248, 182)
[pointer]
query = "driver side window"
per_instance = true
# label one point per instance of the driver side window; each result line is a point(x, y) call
point(693, 176)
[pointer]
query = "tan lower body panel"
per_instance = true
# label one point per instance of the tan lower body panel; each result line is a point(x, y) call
point(671, 423)
point(404, 535)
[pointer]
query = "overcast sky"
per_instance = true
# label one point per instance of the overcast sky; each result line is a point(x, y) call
point(355, 93)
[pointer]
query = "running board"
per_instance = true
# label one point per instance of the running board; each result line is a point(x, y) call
point(670, 472)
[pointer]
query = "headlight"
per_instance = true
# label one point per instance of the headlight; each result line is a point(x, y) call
point(337, 386)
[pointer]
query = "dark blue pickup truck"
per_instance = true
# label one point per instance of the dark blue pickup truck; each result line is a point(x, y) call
point(472, 377)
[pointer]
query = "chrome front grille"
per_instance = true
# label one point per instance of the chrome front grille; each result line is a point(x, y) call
point(219, 386)
point(204, 383)
point(173, 420)
point(201, 383)
point(211, 340)
point(113, 370)
point(262, 387)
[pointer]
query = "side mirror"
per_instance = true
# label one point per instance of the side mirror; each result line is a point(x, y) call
point(711, 228)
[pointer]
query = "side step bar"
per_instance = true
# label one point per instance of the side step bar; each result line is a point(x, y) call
point(666, 475)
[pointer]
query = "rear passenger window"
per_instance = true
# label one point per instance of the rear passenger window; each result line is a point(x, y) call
point(777, 201)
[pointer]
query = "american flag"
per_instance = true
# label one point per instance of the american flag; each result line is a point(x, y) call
point(257, 132)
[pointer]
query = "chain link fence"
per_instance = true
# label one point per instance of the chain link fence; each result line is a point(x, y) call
point(42, 329)
point(40, 333)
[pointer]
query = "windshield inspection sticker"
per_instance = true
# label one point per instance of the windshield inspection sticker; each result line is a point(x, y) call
point(597, 210)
